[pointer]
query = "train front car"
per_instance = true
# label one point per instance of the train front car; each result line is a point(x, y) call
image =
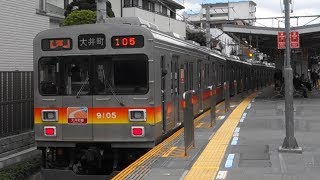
point(94, 96)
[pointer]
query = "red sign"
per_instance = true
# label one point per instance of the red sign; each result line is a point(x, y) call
point(281, 40)
point(294, 40)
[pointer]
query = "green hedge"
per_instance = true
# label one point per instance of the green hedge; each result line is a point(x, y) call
point(80, 17)
point(22, 170)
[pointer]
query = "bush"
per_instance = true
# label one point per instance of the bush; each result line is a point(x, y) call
point(80, 17)
point(22, 170)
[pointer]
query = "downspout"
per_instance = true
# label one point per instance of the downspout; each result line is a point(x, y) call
point(121, 8)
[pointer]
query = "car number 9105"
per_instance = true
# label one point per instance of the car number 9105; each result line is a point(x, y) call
point(106, 115)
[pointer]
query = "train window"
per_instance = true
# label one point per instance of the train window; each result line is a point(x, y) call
point(48, 76)
point(191, 75)
point(213, 74)
point(207, 77)
point(186, 77)
point(76, 75)
point(122, 74)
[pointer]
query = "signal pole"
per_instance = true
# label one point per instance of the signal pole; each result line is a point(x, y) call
point(290, 143)
point(208, 35)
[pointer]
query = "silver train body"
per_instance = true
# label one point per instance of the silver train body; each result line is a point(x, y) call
point(102, 90)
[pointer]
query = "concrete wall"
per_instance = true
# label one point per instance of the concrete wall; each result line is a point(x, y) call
point(18, 26)
point(13, 144)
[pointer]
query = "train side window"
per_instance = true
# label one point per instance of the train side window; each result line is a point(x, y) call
point(190, 76)
point(213, 75)
point(206, 75)
point(222, 75)
point(185, 76)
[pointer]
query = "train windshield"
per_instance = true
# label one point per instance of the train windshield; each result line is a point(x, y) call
point(93, 75)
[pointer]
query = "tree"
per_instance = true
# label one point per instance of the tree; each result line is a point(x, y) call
point(199, 37)
point(80, 17)
point(86, 5)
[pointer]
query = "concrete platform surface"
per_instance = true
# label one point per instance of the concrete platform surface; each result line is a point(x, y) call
point(256, 154)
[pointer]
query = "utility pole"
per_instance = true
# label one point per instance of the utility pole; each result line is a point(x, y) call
point(208, 35)
point(290, 143)
point(101, 10)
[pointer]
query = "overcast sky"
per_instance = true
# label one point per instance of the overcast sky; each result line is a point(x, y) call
point(269, 8)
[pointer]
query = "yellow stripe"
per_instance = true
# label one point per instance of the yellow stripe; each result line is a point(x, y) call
point(127, 171)
point(170, 151)
point(208, 163)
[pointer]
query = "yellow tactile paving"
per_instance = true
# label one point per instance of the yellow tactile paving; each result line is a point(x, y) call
point(169, 152)
point(158, 150)
point(208, 163)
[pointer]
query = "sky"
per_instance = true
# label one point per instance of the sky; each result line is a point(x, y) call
point(268, 8)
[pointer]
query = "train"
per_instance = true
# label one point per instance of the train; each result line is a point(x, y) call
point(102, 91)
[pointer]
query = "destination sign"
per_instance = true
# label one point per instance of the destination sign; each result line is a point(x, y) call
point(56, 44)
point(91, 41)
point(135, 41)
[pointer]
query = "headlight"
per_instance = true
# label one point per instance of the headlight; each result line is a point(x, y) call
point(137, 115)
point(49, 115)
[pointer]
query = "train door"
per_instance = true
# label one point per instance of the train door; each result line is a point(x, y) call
point(163, 93)
point(77, 101)
point(199, 88)
point(175, 88)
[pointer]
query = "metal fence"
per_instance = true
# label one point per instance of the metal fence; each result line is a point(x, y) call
point(16, 102)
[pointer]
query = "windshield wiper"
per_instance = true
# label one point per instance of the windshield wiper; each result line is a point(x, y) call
point(114, 93)
point(82, 87)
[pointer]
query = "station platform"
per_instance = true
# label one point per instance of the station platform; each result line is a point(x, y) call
point(242, 145)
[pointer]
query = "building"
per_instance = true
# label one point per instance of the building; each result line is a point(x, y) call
point(236, 13)
point(225, 13)
point(19, 24)
point(54, 9)
point(160, 13)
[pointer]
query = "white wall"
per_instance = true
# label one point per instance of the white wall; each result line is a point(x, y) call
point(19, 24)
point(164, 23)
point(58, 3)
point(225, 39)
point(235, 10)
point(116, 7)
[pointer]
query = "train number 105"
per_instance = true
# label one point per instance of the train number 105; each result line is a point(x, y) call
point(106, 115)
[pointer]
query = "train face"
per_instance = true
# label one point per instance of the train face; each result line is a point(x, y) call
point(94, 84)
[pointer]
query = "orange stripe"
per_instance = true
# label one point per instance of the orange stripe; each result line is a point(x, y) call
point(102, 115)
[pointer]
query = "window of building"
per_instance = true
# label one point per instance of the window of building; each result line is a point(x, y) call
point(151, 6)
point(172, 14)
point(145, 4)
point(164, 11)
point(131, 3)
point(135, 3)
point(127, 3)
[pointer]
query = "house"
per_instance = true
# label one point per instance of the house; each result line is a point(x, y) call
point(161, 13)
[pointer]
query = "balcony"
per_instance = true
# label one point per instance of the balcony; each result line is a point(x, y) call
point(164, 22)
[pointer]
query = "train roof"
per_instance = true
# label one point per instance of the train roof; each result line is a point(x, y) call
point(148, 28)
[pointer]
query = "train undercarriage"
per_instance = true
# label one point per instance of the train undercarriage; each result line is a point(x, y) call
point(88, 159)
